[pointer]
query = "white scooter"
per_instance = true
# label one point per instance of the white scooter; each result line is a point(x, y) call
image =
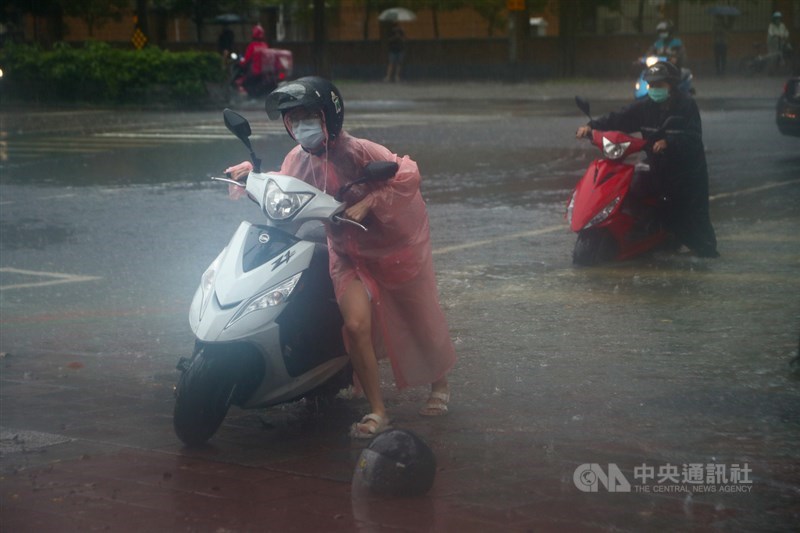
point(268, 328)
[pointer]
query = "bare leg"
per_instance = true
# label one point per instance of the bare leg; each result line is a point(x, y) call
point(357, 314)
point(440, 386)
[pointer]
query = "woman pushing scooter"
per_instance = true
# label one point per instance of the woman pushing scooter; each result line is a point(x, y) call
point(678, 162)
point(383, 278)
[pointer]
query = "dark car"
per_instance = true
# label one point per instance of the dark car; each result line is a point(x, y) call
point(787, 112)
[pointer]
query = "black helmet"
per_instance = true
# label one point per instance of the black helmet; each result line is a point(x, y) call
point(396, 463)
point(313, 93)
point(663, 71)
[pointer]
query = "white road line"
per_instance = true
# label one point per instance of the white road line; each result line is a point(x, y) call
point(765, 187)
point(159, 136)
point(59, 278)
point(510, 237)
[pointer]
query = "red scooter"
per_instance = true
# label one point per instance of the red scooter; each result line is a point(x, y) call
point(611, 224)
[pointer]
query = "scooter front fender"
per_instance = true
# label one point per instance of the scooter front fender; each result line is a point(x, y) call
point(234, 288)
point(603, 182)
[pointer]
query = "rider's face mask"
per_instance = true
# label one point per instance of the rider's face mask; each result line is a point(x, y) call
point(658, 94)
point(308, 132)
point(663, 34)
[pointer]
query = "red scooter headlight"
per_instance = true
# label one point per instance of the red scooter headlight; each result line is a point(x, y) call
point(614, 150)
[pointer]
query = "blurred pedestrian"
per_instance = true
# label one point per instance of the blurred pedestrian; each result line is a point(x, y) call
point(722, 24)
point(778, 39)
point(397, 52)
point(225, 41)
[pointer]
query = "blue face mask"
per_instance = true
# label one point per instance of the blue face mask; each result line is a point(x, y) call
point(308, 133)
point(658, 94)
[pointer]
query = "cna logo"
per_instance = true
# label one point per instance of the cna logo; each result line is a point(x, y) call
point(589, 476)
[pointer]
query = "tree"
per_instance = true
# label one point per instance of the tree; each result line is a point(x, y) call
point(96, 13)
point(492, 11)
point(374, 8)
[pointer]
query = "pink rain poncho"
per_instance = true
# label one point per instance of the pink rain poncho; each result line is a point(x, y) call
point(393, 259)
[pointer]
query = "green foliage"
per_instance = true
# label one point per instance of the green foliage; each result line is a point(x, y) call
point(99, 73)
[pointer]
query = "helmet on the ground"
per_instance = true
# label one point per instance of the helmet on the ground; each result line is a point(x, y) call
point(663, 71)
point(396, 463)
point(312, 93)
point(258, 32)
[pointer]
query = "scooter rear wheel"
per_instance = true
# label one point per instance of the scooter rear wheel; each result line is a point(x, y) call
point(202, 397)
point(593, 246)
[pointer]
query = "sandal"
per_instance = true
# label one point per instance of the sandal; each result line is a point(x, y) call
point(365, 430)
point(436, 404)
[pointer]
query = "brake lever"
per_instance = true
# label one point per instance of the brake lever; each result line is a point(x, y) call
point(339, 219)
point(230, 181)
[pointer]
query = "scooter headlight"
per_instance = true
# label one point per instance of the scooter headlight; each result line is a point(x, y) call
point(614, 150)
point(281, 205)
point(651, 60)
point(602, 215)
point(571, 207)
point(273, 296)
point(207, 283)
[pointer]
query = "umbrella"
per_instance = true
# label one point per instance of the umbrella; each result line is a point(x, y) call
point(227, 18)
point(397, 14)
point(724, 11)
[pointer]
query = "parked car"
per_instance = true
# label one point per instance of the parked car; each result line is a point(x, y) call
point(787, 112)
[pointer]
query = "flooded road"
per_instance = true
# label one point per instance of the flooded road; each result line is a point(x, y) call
point(665, 361)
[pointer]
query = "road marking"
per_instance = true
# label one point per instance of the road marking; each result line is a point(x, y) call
point(58, 278)
point(765, 187)
point(25, 440)
point(512, 236)
point(551, 229)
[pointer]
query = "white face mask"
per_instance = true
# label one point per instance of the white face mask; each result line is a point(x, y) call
point(308, 133)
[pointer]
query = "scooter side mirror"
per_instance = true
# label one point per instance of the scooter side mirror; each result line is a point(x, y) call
point(239, 126)
point(373, 171)
point(380, 170)
point(583, 105)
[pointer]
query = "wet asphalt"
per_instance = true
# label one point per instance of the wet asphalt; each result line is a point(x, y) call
point(672, 371)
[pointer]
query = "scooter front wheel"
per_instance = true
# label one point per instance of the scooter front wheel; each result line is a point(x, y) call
point(204, 393)
point(593, 246)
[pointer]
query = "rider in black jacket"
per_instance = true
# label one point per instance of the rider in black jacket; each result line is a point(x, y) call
point(677, 159)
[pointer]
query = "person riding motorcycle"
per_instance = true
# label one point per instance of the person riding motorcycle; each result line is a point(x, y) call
point(383, 278)
point(778, 45)
point(668, 45)
point(678, 165)
point(252, 64)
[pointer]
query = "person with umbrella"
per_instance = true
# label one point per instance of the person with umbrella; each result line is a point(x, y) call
point(397, 52)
